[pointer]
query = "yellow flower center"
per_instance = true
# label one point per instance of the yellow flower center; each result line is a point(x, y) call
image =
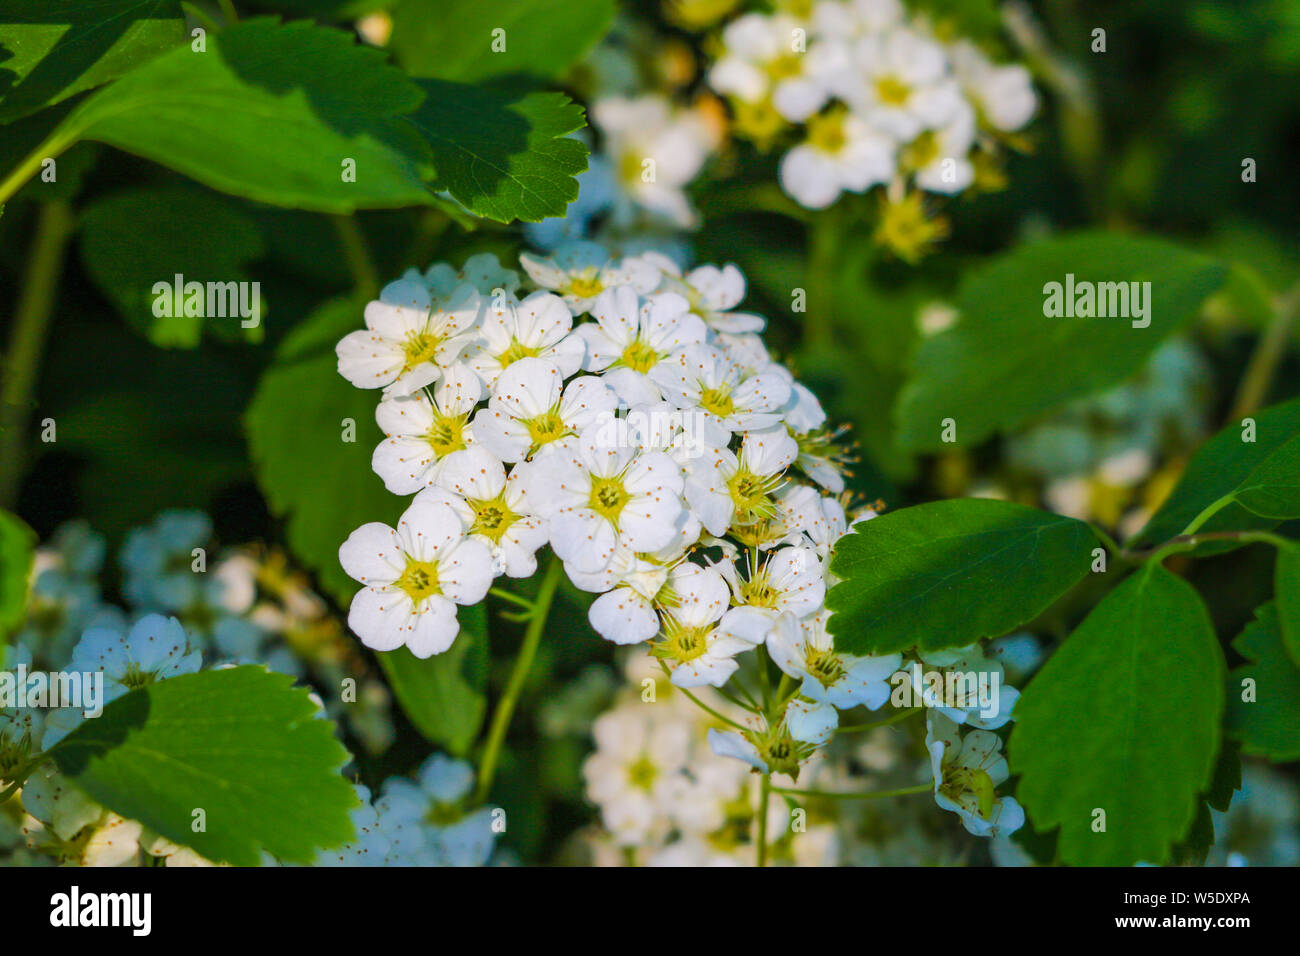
point(642, 774)
point(492, 517)
point(516, 351)
point(923, 151)
point(586, 287)
point(906, 231)
point(758, 591)
point(751, 495)
point(681, 642)
point(420, 347)
point(718, 400)
point(607, 497)
point(447, 434)
point(758, 121)
point(960, 781)
point(892, 91)
point(640, 357)
point(826, 132)
point(546, 427)
point(785, 66)
point(419, 580)
point(826, 666)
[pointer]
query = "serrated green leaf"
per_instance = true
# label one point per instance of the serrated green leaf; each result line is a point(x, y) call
point(270, 112)
point(1004, 361)
point(1286, 586)
point(948, 573)
point(241, 744)
point(322, 485)
point(1272, 489)
point(53, 49)
point(16, 544)
point(1123, 718)
point(454, 39)
point(1267, 724)
point(445, 696)
point(133, 239)
point(503, 155)
point(1218, 468)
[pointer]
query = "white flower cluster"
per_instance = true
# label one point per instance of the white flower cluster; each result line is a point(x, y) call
point(880, 97)
point(623, 412)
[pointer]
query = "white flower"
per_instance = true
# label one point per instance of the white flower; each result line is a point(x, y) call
point(414, 577)
point(729, 490)
point(700, 637)
point(482, 271)
point(713, 293)
point(580, 271)
point(967, 771)
point(655, 150)
point(1004, 94)
point(842, 153)
point(971, 676)
point(634, 770)
point(528, 412)
point(904, 85)
point(765, 58)
point(789, 579)
point(422, 433)
point(405, 346)
point(537, 327)
point(494, 508)
point(806, 651)
point(940, 156)
point(702, 376)
point(633, 335)
point(608, 496)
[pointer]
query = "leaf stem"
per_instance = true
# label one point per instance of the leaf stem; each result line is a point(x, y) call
point(515, 685)
point(505, 595)
point(702, 705)
point(902, 714)
point(54, 226)
point(1267, 357)
point(764, 797)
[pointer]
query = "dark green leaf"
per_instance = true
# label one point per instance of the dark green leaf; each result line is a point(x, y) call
point(1005, 361)
point(272, 113)
point(131, 240)
point(453, 39)
point(1286, 585)
point(948, 573)
point(242, 744)
point(1123, 718)
point(52, 49)
point(1264, 695)
point(445, 696)
point(503, 155)
point(1217, 469)
point(1272, 490)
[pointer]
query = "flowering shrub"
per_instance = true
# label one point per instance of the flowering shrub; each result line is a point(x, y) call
point(705, 432)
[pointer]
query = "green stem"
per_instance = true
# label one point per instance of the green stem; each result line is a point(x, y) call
point(765, 796)
point(1209, 512)
point(1188, 542)
point(54, 226)
point(21, 774)
point(364, 275)
point(835, 795)
point(702, 705)
point(885, 722)
point(511, 598)
point(823, 244)
point(1267, 357)
point(515, 685)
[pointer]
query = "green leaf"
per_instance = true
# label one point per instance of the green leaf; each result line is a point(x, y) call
point(1005, 361)
point(1272, 490)
point(1286, 585)
point(503, 155)
point(453, 39)
point(322, 484)
point(1268, 722)
point(1123, 718)
point(948, 573)
point(445, 696)
point(1219, 468)
point(16, 544)
point(53, 49)
point(241, 744)
point(133, 239)
point(270, 112)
